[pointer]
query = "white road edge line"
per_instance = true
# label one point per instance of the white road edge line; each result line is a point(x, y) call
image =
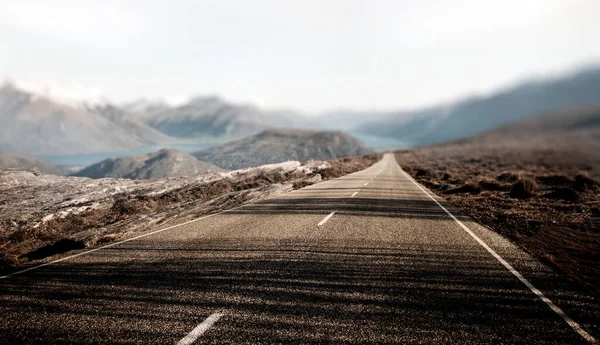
point(200, 329)
point(326, 218)
point(110, 245)
point(576, 327)
point(354, 194)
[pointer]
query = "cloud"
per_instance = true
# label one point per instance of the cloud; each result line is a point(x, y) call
point(67, 93)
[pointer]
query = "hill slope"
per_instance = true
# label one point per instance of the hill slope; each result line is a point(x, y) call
point(163, 163)
point(582, 122)
point(11, 161)
point(278, 145)
point(35, 125)
point(475, 115)
point(566, 138)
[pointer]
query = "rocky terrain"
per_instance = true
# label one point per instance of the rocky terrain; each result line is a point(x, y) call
point(163, 163)
point(35, 125)
point(478, 114)
point(277, 145)
point(536, 182)
point(42, 215)
point(11, 161)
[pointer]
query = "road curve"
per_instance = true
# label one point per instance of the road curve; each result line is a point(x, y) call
point(371, 257)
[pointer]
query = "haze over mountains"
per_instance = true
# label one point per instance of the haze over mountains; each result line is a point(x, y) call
point(475, 115)
point(37, 125)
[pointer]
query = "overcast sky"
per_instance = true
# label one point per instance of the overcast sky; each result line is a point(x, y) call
point(308, 55)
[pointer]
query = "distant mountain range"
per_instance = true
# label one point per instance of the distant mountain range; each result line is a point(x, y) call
point(36, 125)
point(164, 163)
point(479, 114)
point(278, 145)
point(271, 146)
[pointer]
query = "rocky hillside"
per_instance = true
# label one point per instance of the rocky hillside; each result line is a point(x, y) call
point(164, 163)
point(278, 145)
point(479, 114)
point(35, 125)
point(11, 161)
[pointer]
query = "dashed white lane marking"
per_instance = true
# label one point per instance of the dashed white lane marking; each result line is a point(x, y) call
point(200, 329)
point(366, 184)
point(326, 218)
point(576, 327)
point(354, 194)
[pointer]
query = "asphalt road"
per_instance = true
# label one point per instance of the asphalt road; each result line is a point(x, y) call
point(390, 266)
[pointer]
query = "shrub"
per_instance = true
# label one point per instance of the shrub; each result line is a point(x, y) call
point(508, 176)
point(584, 182)
point(555, 180)
point(467, 188)
point(491, 184)
point(421, 172)
point(563, 193)
point(524, 188)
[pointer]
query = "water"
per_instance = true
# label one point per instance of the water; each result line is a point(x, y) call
point(380, 142)
point(89, 159)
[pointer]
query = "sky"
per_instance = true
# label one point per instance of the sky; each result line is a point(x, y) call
point(306, 55)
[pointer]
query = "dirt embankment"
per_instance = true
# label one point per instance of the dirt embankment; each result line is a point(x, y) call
point(42, 215)
point(542, 194)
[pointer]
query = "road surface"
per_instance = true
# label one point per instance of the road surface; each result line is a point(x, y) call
point(371, 257)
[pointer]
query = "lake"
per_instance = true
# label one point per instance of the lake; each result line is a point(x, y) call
point(89, 159)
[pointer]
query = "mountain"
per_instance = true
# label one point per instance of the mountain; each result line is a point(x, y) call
point(475, 115)
point(12, 161)
point(163, 163)
point(131, 124)
point(279, 145)
point(36, 125)
point(211, 118)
